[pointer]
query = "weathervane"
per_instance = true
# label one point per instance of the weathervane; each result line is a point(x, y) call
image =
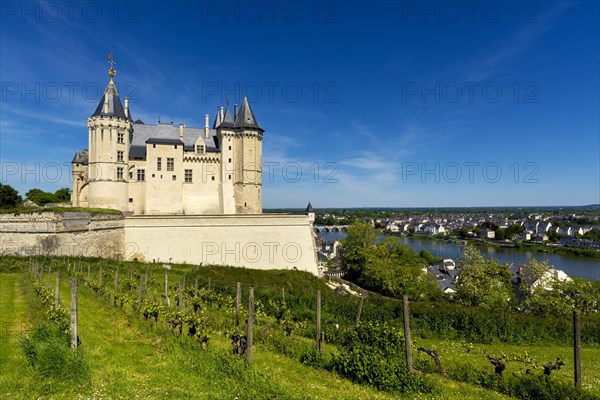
point(111, 72)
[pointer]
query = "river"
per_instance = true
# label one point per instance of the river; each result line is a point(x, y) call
point(584, 267)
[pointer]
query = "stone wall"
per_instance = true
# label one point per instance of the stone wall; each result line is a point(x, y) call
point(265, 241)
point(68, 233)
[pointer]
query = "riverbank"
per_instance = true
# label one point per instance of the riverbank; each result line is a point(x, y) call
point(540, 248)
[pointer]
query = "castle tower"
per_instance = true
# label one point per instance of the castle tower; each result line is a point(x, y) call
point(310, 211)
point(227, 141)
point(247, 155)
point(109, 132)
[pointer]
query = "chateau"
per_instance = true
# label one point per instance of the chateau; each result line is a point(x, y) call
point(186, 195)
point(144, 169)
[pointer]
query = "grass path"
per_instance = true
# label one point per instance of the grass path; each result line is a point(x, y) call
point(14, 371)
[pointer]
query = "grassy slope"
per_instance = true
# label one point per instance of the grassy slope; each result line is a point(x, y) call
point(131, 358)
point(454, 355)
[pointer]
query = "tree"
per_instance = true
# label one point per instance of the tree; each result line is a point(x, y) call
point(62, 195)
point(500, 234)
point(387, 267)
point(554, 236)
point(9, 197)
point(428, 257)
point(554, 296)
point(533, 271)
point(40, 197)
point(483, 282)
point(358, 246)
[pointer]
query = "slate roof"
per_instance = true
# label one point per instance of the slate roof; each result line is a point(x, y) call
point(227, 119)
point(164, 141)
point(309, 208)
point(142, 133)
point(245, 117)
point(81, 157)
point(115, 107)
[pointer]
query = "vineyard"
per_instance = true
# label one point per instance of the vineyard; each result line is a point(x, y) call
point(207, 332)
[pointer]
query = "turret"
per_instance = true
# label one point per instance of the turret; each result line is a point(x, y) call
point(248, 161)
point(310, 212)
point(109, 131)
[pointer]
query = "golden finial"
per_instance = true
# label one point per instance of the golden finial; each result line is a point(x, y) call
point(111, 72)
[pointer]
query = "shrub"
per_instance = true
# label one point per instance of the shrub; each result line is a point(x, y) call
point(47, 350)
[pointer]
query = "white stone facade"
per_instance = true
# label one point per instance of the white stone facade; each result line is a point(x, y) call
point(162, 169)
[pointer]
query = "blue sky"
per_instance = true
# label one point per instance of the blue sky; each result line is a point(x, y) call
point(365, 104)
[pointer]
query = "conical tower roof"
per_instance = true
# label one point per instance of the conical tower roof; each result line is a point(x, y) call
point(245, 117)
point(227, 119)
point(110, 104)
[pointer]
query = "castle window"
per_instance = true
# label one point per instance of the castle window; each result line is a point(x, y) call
point(174, 177)
point(170, 164)
point(131, 175)
point(229, 147)
point(119, 172)
point(213, 178)
point(158, 164)
point(230, 160)
point(229, 177)
point(199, 149)
point(131, 199)
point(141, 174)
point(153, 146)
point(119, 156)
point(120, 138)
point(188, 176)
point(175, 147)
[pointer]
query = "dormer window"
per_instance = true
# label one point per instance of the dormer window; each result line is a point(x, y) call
point(199, 149)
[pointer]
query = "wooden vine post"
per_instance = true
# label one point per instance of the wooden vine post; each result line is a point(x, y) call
point(577, 347)
point(167, 300)
point(359, 311)
point(116, 281)
point(141, 291)
point(74, 311)
point(57, 290)
point(180, 298)
point(238, 302)
point(250, 324)
point(405, 313)
point(318, 320)
point(196, 287)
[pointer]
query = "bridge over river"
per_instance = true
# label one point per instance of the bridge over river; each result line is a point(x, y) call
point(330, 228)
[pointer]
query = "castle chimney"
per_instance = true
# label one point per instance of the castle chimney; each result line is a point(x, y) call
point(181, 132)
point(235, 111)
point(127, 106)
point(105, 104)
point(206, 126)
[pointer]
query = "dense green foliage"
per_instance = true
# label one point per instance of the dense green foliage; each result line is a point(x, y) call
point(40, 197)
point(48, 352)
point(9, 197)
point(522, 386)
point(387, 267)
point(483, 282)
